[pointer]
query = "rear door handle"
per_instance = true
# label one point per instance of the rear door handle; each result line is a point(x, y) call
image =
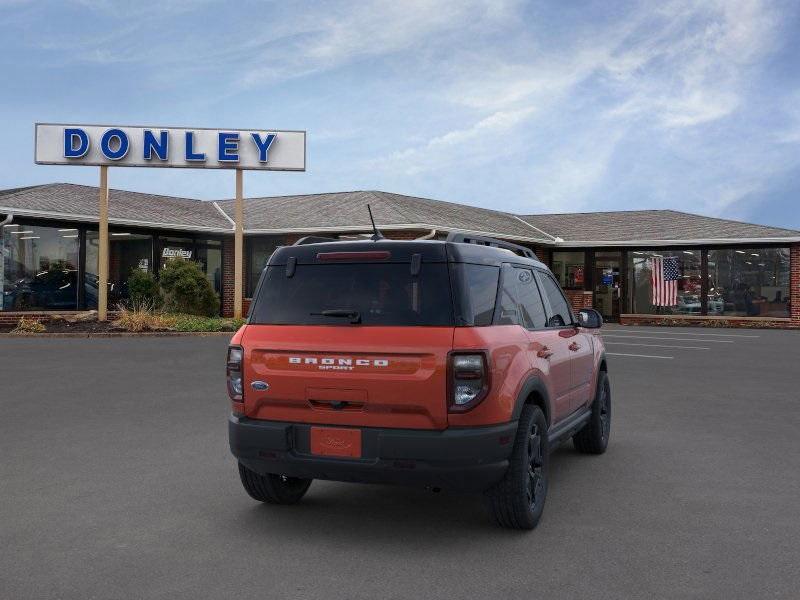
point(574, 347)
point(544, 352)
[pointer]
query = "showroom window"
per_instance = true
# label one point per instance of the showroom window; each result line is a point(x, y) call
point(569, 269)
point(209, 255)
point(748, 282)
point(258, 252)
point(127, 252)
point(666, 282)
point(39, 268)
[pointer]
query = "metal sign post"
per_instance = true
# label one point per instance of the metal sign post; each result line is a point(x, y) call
point(102, 255)
point(238, 244)
point(176, 147)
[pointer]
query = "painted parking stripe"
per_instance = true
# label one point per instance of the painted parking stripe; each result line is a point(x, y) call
point(638, 355)
point(736, 335)
point(656, 346)
point(653, 337)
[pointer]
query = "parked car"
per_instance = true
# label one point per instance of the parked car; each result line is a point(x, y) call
point(453, 364)
point(52, 289)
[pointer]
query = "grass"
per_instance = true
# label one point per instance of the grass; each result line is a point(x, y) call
point(26, 325)
point(143, 318)
point(195, 323)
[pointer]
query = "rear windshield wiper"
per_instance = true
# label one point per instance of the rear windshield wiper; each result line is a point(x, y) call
point(353, 315)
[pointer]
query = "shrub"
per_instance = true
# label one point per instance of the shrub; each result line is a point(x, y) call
point(142, 317)
point(143, 289)
point(186, 289)
point(26, 325)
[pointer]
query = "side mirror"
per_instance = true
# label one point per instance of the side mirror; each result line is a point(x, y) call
point(590, 318)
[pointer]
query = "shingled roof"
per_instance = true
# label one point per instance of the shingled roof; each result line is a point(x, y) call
point(347, 211)
point(664, 226)
point(79, 203)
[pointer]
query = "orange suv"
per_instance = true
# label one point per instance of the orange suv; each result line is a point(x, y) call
point(453, 364)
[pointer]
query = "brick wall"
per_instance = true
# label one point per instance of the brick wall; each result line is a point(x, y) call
point(709, 321)
point(579, 299)
point(227, 276)
point(13, 317)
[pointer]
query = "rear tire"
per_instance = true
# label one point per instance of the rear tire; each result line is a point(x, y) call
point(273, 489)
point(593, 438)
point(517, 502)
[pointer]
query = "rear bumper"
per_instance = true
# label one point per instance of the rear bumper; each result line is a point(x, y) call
point(464, 459)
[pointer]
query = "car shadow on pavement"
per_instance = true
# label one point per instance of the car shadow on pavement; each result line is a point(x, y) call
point(348, 512)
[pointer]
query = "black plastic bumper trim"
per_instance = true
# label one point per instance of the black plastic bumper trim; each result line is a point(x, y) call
point(468, 459)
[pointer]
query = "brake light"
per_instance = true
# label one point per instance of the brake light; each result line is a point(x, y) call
point(234, 373)
point(468, 380)
point(368, 255)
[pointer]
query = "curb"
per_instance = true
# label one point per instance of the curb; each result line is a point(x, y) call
point(119, 334)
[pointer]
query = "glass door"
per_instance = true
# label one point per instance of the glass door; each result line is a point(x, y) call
point(607, 284)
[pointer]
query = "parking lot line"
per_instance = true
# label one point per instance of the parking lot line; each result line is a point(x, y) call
point(736, 335)
point(638, 355)
point(656, 345)
point(653, 337)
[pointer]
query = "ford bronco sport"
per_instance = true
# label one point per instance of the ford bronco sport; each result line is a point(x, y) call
point(454, 364)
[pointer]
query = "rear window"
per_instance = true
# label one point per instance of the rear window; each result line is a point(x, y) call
point(381, 294)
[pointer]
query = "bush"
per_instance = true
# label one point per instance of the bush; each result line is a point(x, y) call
point(143, 289)
point(142, 317)
point(26, 325)
point(186, 289)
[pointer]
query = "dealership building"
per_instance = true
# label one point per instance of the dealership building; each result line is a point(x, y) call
point(724, 272)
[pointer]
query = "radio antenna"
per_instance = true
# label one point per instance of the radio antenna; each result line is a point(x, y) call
point(377, 235)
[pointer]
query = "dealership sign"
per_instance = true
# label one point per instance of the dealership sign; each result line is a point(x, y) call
point(193, 148)
point(176, 253)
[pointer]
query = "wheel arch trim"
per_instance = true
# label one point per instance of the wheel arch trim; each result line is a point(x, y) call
point(533, 385)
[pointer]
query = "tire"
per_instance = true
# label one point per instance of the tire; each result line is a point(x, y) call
point(593, 438)
point(517, 501)
point(273, 489)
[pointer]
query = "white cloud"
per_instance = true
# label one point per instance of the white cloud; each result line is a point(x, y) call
point(475, 144)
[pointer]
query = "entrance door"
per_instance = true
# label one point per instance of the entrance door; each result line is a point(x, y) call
point(608, 284)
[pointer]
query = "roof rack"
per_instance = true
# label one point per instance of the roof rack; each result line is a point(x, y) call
point(314, 239)
point(464, 238)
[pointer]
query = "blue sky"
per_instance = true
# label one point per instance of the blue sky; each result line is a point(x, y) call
point(521, 106)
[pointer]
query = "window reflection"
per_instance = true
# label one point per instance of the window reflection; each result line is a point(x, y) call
point(128, 251)
point(568, 267)
point(652, 284)
point(39, 268)
point(746, 282)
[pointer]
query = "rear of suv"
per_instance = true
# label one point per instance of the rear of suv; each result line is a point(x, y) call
point(454, 364)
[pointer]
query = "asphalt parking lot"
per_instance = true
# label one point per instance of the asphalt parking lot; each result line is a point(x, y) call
point(117, 483)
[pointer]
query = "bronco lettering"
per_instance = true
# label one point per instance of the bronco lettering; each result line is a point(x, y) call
point(346, 363)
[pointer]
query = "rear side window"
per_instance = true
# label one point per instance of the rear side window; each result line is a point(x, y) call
point(520, 300)
point(381, 294)
point(530, 300)
point(560, 314)
point(475, 289)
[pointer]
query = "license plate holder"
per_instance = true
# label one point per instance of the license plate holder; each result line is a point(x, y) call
point(336, 441)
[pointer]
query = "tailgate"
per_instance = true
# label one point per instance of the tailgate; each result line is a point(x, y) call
point(345, 375)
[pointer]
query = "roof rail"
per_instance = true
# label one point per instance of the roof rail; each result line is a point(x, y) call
point(313, 239)
point(465, 238)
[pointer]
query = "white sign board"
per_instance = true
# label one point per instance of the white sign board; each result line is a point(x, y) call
point(189, 148)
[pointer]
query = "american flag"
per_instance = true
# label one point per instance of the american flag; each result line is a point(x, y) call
point(664, 277)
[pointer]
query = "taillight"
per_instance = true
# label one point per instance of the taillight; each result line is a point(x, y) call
point(468, 380)
point(234, 372)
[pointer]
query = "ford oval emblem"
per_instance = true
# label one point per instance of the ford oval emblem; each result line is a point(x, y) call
point(260, 385)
